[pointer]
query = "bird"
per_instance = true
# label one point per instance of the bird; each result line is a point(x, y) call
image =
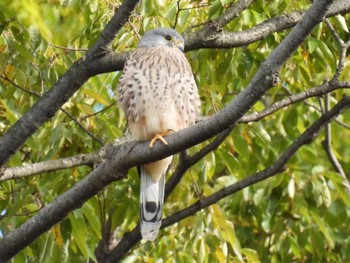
point(158, 95)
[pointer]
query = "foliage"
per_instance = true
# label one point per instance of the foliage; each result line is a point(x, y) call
point(299, 215)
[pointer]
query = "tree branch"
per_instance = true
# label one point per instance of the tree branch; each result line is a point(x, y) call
point(231, 13)
point(90, 159)
point(313, 92)
point(213, 35)
point(68, 48)
point(49, 166)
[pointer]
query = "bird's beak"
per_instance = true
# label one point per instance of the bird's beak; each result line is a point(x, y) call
point(179, 44)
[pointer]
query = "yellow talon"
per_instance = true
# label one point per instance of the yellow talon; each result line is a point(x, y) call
point(159, 136)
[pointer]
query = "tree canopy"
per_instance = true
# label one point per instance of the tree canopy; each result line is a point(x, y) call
point(263, 176)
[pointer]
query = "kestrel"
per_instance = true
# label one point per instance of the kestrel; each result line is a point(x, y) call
point(158, 95)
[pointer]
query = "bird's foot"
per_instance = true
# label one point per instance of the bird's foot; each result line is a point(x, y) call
point(159, 136)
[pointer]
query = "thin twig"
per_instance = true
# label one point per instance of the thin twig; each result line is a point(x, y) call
point(6, 78)
point(334, 33)
point(343, 50)
point(68, 48)
point(177, 13)
point(97, 112)
point(343, 124)
point(134, 29)
point(327, 145)
point(293, 98)
point(234, 11)
point(82, 127)
point(30, 169)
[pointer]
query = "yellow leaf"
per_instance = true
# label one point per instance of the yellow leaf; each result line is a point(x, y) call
point(9, 72)
point(246, 137)
point(227, 230)
point(220, 256)
point(2, 48)
point(56, 231)
point(95, 96)
point(75, 173)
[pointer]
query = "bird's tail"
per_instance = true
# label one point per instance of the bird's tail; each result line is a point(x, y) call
point(151, 202)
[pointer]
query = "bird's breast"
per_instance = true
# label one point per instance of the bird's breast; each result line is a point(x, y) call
point(158, 93)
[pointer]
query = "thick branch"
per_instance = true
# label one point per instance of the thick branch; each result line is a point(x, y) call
point(212, 36)
point(231, 13)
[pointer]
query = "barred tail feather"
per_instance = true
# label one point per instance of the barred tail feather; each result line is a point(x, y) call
point(151, 204)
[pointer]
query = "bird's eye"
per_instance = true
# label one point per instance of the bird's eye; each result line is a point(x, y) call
point(167, 37)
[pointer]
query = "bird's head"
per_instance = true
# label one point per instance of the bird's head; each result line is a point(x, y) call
point(162, 37)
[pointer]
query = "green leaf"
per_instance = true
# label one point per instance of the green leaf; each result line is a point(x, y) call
point(21, 78)
point(94, 222)
point(170, 11)
point(305, 74)
point(312, 44)
point(259, 106)
point(325, 229)
point(226, 229)
point(341, 22)
point(184, 257)
point(79, 232)
point(147, 8)
point(251, 255)
point(266, 223)
point(295, 247)
point(183, 18)
point(259, 196)
point(215, 9)
point(326, 51)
